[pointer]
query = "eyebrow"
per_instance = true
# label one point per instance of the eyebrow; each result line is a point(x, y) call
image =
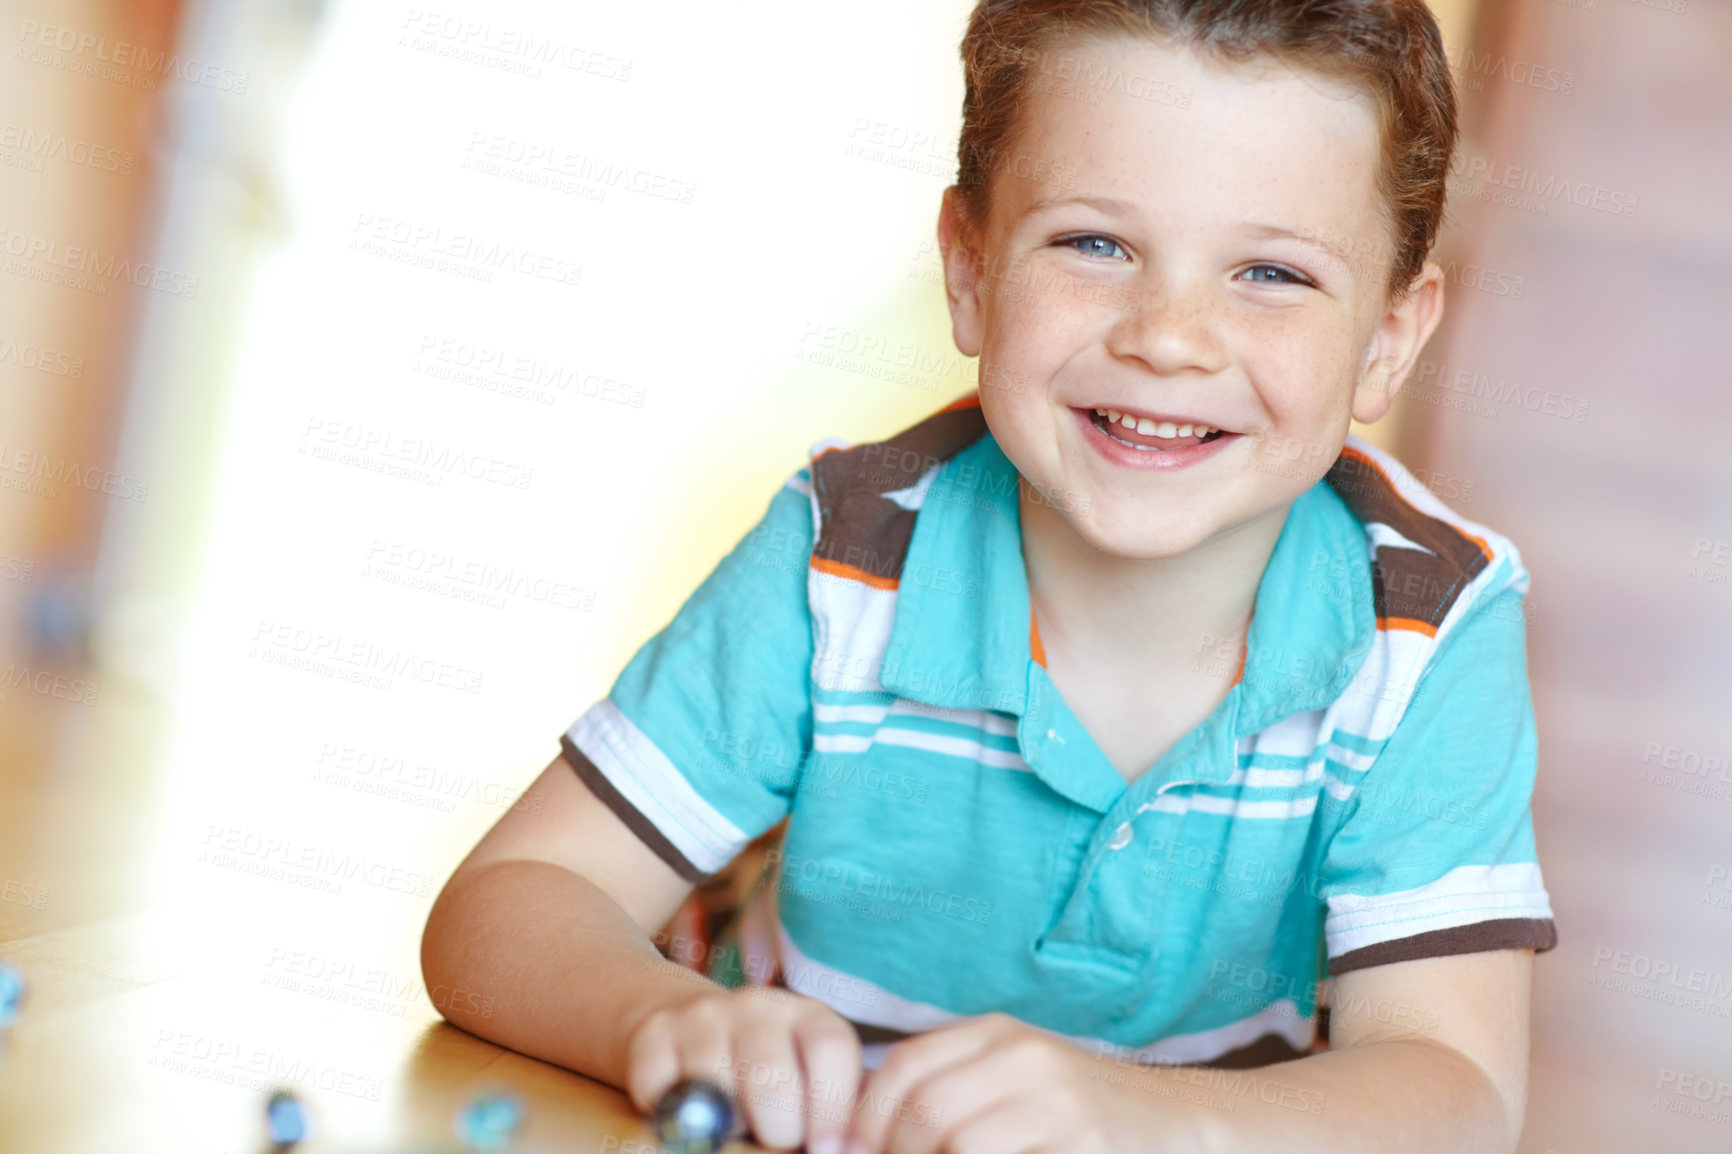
point(1276, 232)
point(1259, 231)
point(1106, 204)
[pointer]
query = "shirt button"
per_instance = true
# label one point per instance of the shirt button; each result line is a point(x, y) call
point(1121, 837)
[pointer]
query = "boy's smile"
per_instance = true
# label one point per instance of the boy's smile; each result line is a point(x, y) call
point(1214, 274)
point(1142, 440)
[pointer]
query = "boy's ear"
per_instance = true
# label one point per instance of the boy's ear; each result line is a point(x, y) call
point(962, 265)
point(1395, 347)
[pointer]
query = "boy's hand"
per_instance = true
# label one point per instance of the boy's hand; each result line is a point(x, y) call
point(792, 1063)
point(995, 1085)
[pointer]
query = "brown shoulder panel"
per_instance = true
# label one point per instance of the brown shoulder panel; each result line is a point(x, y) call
point(860, 527)
point(1416, 585)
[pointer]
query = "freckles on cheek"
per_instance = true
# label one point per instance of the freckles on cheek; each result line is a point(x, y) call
point(1041, 342)
point(1302, 369)
point(1027, 346)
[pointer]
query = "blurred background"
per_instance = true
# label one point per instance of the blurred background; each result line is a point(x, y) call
point(375, 378)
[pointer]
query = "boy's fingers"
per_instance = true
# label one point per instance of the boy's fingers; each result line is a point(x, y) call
point(974, 1089)
point(653, 1063)
point(769, 1084)
point(706, 1042)
point(908, 1064)
point(986, 1124)
point(830, 1053)
point(793, 1068)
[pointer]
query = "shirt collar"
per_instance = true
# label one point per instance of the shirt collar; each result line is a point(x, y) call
point(960, 639)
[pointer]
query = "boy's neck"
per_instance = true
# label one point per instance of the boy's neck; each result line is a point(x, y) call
point(1143, 614)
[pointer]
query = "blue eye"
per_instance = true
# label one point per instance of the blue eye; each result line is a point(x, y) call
point(1093, 244)
point(1274, 274)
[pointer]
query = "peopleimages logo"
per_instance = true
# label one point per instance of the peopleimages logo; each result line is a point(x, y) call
point(466, 254)
point(44, 683)
point(98, 56)
point(82, 264)
point(316, 867)
point(313, 650)
point(844, 877)
point(38, 146)
point(234, 1062)
point(347, 443)
point(508, 49)
point(50, 471)
point(41, 359)
point(1661, 980)
point(1531, 189)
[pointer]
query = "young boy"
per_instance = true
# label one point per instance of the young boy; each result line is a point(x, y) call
point(1106, 707)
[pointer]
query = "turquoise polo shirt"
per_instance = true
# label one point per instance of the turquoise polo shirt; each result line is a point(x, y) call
point(864, 665)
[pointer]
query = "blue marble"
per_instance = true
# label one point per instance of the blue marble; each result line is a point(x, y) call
point(11, 993)
point(694, 1117)
point(489, 1120)
point(285, 1118)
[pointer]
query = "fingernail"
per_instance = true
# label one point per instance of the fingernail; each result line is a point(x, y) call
point(828, 1144)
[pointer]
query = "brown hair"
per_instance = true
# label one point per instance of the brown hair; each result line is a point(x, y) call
point(1390, 49)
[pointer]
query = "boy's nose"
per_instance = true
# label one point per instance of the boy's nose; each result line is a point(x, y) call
point(1172, 329)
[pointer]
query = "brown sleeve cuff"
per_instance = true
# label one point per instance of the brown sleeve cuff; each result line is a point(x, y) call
point(626, 812)
point(1536, 934)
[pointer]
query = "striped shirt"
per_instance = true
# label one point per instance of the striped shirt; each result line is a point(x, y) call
point(865, 665)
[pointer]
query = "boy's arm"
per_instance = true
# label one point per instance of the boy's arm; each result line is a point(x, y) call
point(540, 940)
point(1428, 1055)
point(1434, 848)
point(1431, 1058)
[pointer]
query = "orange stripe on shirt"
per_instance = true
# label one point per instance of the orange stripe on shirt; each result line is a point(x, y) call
point(1035, 649)
point(1409, 623)
point(850, 573)
point(971, 401)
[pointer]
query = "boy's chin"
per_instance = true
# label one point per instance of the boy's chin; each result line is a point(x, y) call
point(1140, 540)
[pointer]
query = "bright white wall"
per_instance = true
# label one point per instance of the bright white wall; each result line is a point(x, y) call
point(701, 313)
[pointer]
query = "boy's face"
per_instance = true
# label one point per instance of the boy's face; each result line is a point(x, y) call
point(1213, 254)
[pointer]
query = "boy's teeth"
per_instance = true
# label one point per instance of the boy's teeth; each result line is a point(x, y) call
point(1150, 428)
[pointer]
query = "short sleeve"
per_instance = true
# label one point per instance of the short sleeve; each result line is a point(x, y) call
point(698, 745)
point(1433, 853)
